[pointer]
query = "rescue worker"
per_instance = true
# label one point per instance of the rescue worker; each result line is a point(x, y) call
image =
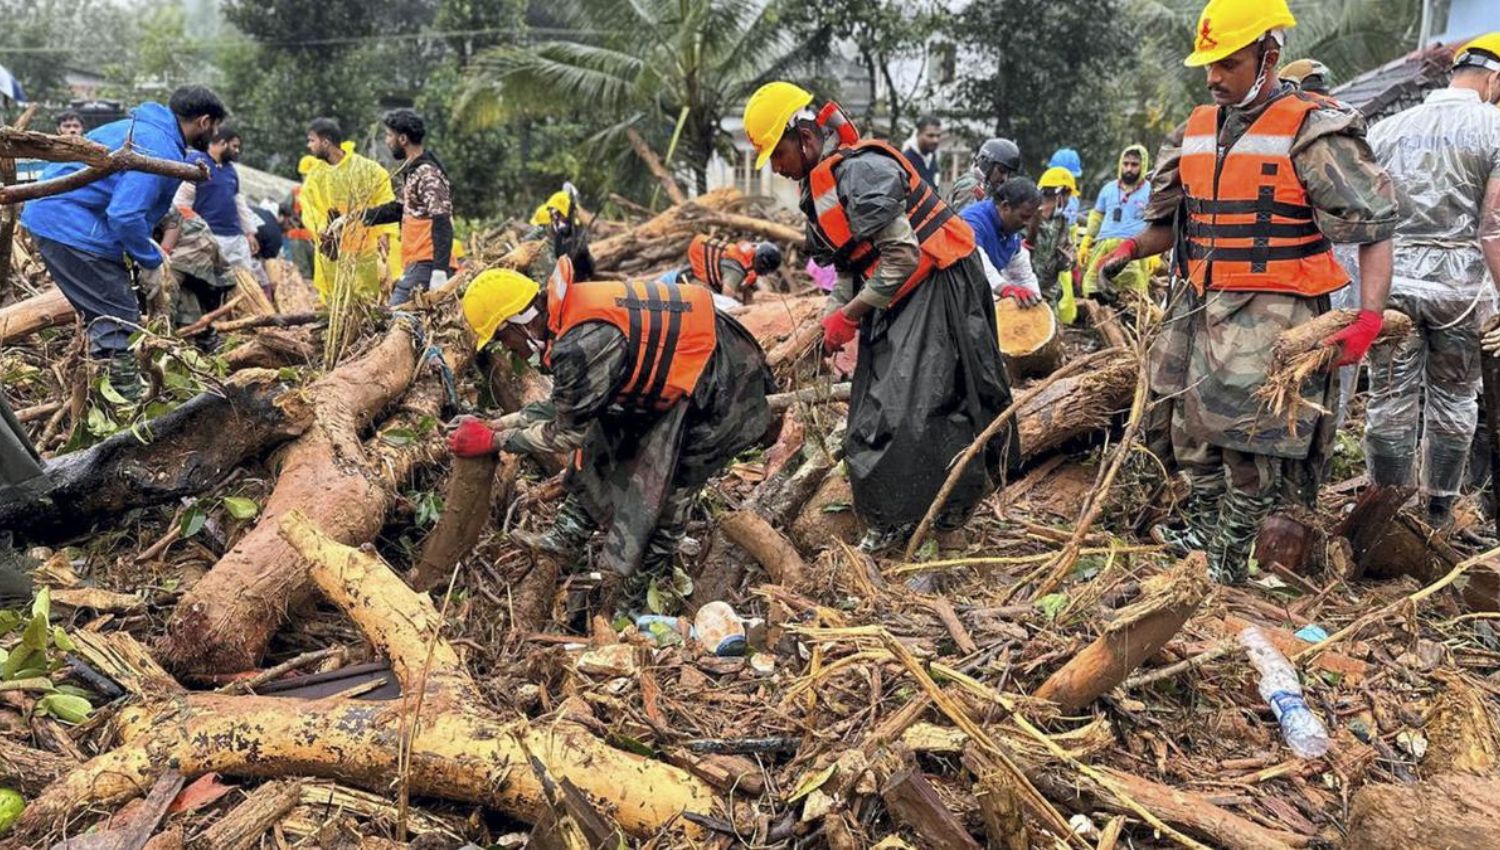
point(730, 269)
point(1309, 75)
point(334, 196)
point(653, 392)
point(921, 150)
point(1246, 280)
point(1052, 253)
point(928, 378)
point(92, 239)
point(425, 208)
point(200, 272)
point(999, 225)
point(995, 162)
point(300, 245)
point(1445, 156)
point(1069, 159)
point(1118, 214)
point(556, 222)
point(220, 204)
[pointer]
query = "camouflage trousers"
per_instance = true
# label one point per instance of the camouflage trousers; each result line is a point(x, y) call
point(1232, 493)
point(1427, 387)
point(574, 528)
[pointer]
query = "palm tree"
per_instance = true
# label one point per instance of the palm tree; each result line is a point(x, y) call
point(669, 69)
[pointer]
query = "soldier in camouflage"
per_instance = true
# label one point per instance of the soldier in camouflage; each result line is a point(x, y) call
point(995, 162)
point(1241, 459)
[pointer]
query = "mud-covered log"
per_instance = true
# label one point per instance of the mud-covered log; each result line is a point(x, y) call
point(766, 545)
point(1440, 813)
point(181, 453)
point(1135, 634)
point(1076, 406)
point(23, 318)
point(222, 624)
point(466, 506)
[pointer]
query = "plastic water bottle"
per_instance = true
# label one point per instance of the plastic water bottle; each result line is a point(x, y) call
point(1279, 687)
point(720, 629)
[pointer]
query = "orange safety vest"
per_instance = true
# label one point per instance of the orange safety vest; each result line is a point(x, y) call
point(1251, 227)
point(705, 255)
point(944, 237)
point(669, 334)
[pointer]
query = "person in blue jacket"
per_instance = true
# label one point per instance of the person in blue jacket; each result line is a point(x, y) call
point(1000, 223)
point(86, 236)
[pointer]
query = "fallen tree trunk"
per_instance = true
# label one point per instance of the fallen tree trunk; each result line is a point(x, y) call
point(458, 749)
point(750, 531)
point(1029, 339)
point(179, 454)
point(664, 238)
point(1076, 406)
point(36, 313)
point(466, 506)
point(222, 624)
point(1437, 814)
point(1136, 633)
point(653, 164)
point(100, 162)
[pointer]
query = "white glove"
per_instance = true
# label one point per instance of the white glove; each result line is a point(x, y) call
point(438, 280)
point(1490, 342)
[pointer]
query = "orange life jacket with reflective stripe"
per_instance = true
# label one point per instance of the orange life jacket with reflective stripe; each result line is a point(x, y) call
point(1250, 226)
point(944, 237)
point(669, 334)
point(705, 256)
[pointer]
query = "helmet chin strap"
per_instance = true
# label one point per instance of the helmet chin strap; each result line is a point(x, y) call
point(1263, 71)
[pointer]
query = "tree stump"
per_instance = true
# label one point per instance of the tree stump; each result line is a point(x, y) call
point(1029, 339)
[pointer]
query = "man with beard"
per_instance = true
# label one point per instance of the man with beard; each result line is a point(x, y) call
point(425, 210)
point(335, 197)
point(1118, 214)
point(221, 206)
point(91, 236)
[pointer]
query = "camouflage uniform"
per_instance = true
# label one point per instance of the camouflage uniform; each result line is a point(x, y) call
point(1214, 351)
point(199, 270)
point(637, 474)
point(967, 189)
point(1051, 255)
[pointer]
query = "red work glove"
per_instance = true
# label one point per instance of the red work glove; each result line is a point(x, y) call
point(838, 331)
point(1117, 260)
point(472, 438)
point(1357, 337)
point(1023, 296)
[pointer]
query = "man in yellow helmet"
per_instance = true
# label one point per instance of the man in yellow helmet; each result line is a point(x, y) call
point(1052, 251)
point(556, 223)
point(653, 392)
point(335, 196)
point(1445, 156)
point(912, 287)
point(1262, 182)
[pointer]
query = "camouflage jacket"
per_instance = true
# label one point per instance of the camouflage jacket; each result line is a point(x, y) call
point(1351, 194)
point(1053, 251)
point(588, 363)
point(967, 189)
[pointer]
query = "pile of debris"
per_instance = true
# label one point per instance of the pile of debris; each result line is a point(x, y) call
point(295, 621)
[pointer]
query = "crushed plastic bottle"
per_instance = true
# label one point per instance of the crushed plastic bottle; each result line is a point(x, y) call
point(1302, 730)
point(720, 629)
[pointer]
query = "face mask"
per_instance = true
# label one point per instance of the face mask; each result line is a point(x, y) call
point(1260, 81)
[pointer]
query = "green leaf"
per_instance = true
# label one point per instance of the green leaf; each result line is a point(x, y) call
point(192, 522)
point(240, 507)
point(928, 550)
point(812, 782)
point(9, 620)
point(74, 690)
point(20, 656)
point(41, 606)
point(99, 423)
point(38, 635)
point(837, 507)
point(61, 640)
point(1052, 604)
point(682, 583)
point(111, 394)
point(398, 436)
point(634, 745)
point(287, 374)
point(654, 599)
point(65, 707)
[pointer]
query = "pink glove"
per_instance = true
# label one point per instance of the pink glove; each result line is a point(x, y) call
point(1023, 296)
point(1357, 337)
point(838, 330)
point(472, 438)
point(1117, 260)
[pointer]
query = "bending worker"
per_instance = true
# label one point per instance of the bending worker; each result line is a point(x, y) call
point(928, 378)
point(999, 224)
point(1052, 256)
point(1118, 214)
point(730, 269)
point(995, 162)
point(1445, 156)
point(555, 223)
point(653, 392)
point(1254, 275)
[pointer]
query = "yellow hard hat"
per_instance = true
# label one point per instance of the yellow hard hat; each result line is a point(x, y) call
point(494, 297)
point(1489, 43)
point(560, 201)
point(1227, 26)
point(768, 112)
point(1058, 177)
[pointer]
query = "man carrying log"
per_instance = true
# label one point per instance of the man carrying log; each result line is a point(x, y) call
point(1445, 155)
point(929, 377)
point(653, 392)
point(1263, 181)
point(424, 208)
point(995, 162)
point(92, 238)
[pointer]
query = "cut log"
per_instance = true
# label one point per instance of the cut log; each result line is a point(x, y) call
point(466, 506)
point(458, 749)
point(242, 828)
point(1298, 354)
point(769, 547)
point(1136, 633)
point(769, 230)
point(1076, 407)
point(1105, 322)
point(1029, 339)
point(1441, 813)
point(36, 313)
point(1197, 815)
point(1369, 523)
point(914, 803)
point(179, 454)
point(1293, 542)
point(222, 624)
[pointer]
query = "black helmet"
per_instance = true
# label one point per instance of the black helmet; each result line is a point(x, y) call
point(997, 152)
point(767, 257)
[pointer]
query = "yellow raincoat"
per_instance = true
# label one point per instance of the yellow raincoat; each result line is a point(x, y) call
point(356, 184)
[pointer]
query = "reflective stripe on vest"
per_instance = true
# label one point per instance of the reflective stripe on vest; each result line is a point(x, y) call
point(669, 335)
point(706, 256)
point(1250, 226)
point(943, 236)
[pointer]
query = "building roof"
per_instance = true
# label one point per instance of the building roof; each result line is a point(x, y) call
point(1399, 84)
